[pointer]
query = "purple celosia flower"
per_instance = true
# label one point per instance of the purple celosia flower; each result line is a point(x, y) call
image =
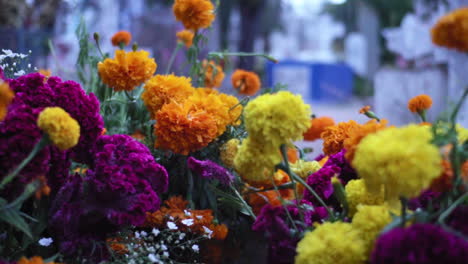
point(320, 157)
point(210, 170)
point(426, 198)
point(321, 183)
point(59, 169)
point(18, 136)
point(273, 222)
point(121, 186)
point(458, 219)
point(83, 108)
point(347, 172)
point(31, 90)
point(420, 244)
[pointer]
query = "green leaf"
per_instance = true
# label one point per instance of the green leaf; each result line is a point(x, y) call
point(13, 217)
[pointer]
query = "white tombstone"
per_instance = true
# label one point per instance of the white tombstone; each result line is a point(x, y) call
point(356, 53)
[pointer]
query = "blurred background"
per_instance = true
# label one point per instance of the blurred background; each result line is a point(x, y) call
point(339, 54)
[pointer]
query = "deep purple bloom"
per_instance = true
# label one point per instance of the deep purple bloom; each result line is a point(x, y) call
point(347, 172)
point(424, 200)
point(458, 219)
point(273, 222)
point(420, 244)
point(31, 90)
point(321, 183)
point(210, 170)
point(117, 191)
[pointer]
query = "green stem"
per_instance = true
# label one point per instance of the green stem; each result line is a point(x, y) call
point(99, 49)
point(129, 96)
point(190, 188)
point(242, 54)
point(449, 210)
point(122, 45)
point(285, 186)
point(173, 56)
point(453, 117)
point(38, 147)
point(422, 114)
point(247, 207)
point(282, 204)
point(404, 204)
point(284, 153)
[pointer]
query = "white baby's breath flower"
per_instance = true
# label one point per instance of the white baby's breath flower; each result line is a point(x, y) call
point(187, 213)
point(172, 225)
point(181, 236)
point(29, 65)
point(207, 231)
point(163, 247)
point(45, 241)
point(199, 217)
point(166, 254)
point(187, 222)
point(19, 73)
point(143, 233)
point(137, 235)
point(155, 231)
point(195, 248)
point(152, 257)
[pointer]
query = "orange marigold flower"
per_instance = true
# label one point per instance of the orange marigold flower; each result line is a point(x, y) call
point(323, 160)
point(214, 74)
point(104, 131)
point(465, 171)
point(334, 136)
point(183, 128)
point(33, 260)
point(45, 72)
point(235, 108)
point(138, 135)
point(116, 246)
point(43, 189)
point(443, 183)
point(6, 96)
point(425, 124)
point(127, 70)
point(185, 37)
point(259, 199)
point(162, 89)
point(358, 133)
point(176, 202)
point(246, 82)
point(194, 14)
point(317, 127)
point(420, 103)
point(365, 109)
point(219, 231)
point(123, 37)
point(451, 30)
point(293, 155)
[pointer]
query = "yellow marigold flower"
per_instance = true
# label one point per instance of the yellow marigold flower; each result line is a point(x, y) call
point(331, 243)
point(276, 119)
point(334, 136)
point(462, 133)
point(357, 194)
point(420, 103)
point(356, 134)
point(401, 159)
point(194, 14)
point(255, 162)
point(228, 152)
point(123, 37)
point(369, 222)
point(305, 168)
point(451, 30)
point(214, 74)
point(162, 89)
point(246, 82)
point(62, 129)
point(183, 128)
point(235, 108)
point(33, 260)
point(317, 127)
point(127, 70)
point(185, 37)
point(6, 96)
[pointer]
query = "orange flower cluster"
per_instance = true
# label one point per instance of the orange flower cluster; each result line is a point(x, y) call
point(33, 260)
point(162, 89)
point(194, 14)
point(334, 136)
point(317, 127)
point(116, 246)
point(6, 96)
point(44, 189)
point(214, 74)
point(445, 181)
point(121, 38)
point(451, 30)
point(184, 128)
point(364, 109)
point(176, 208)
point(127, 70)
point(246, 82)
point(45, 72)
point(357, 133)
point(420, 103)
point(185, 37)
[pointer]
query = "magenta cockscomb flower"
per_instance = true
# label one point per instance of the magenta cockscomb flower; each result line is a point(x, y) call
point(347, 172)
point(420, 244)
point(321, 183)
point(210, 170)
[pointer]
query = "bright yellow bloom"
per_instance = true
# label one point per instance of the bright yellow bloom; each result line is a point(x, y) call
point(214, 74)
point(357, 194)
point(185, 37)
point(162, 89)
point(331, 243)
point(369, 222)
point(304, 168)
point(6, 96)
point(235, 108)
point(401, 159)
point(63, 130)
point(127, 70)
point(228, 152)
point(255, 162)
point(462, 133)
point(275, 119)
point(194, 14)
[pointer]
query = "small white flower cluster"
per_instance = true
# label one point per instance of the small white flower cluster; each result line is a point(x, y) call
point(11, 61)
point(161, 246)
